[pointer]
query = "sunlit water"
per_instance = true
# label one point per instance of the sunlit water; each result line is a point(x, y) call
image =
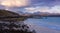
point(49, 22)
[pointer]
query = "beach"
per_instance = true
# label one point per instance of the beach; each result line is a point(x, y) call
point(49, 25)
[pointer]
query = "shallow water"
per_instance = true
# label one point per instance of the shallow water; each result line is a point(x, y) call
point(49, 22)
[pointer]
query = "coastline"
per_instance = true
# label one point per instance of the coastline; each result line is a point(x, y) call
point(42, 29)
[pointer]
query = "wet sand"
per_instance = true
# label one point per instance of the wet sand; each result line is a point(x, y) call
point(42, 29)
point(50, 25)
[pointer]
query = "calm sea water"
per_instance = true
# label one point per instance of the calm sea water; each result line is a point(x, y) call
point(49, 22)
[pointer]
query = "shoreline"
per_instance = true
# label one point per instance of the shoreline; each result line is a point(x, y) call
point(42, 29)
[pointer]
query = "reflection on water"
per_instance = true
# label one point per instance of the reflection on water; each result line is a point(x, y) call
point(49, 22)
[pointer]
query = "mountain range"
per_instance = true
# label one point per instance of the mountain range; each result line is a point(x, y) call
point(41, 14)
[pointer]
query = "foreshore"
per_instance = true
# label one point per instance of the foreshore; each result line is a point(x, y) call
point(42, 29)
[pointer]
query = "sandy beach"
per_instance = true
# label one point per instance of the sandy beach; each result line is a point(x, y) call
point(41, 29)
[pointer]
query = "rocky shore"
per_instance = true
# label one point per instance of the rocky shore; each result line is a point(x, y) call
point(7, 27)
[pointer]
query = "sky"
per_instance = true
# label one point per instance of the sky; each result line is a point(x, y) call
point(31, 6)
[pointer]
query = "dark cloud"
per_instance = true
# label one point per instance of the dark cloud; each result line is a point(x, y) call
point(45, 2)
point(39, 1)
point(54, 4)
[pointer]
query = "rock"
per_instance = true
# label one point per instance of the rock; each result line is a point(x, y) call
point(14, 28)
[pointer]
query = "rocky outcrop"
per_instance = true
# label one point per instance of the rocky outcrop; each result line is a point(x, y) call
point(14, 28)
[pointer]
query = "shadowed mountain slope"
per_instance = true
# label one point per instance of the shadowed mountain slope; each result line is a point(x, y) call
point(6, 15)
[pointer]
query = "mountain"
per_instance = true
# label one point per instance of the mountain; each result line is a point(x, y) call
point(6, 15)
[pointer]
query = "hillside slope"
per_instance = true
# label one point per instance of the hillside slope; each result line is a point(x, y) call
point(6, 15)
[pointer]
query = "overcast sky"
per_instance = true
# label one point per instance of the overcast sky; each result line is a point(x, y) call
point(52, 6)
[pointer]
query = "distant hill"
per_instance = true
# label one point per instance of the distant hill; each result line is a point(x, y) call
point(6, 15)
point(42, 14)
point(46, 14)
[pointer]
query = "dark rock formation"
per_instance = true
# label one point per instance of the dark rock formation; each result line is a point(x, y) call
point(14, 28)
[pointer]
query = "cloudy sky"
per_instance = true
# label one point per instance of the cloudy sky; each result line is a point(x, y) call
point(51, 6)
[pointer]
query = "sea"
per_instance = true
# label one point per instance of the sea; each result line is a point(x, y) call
point(44, 25)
